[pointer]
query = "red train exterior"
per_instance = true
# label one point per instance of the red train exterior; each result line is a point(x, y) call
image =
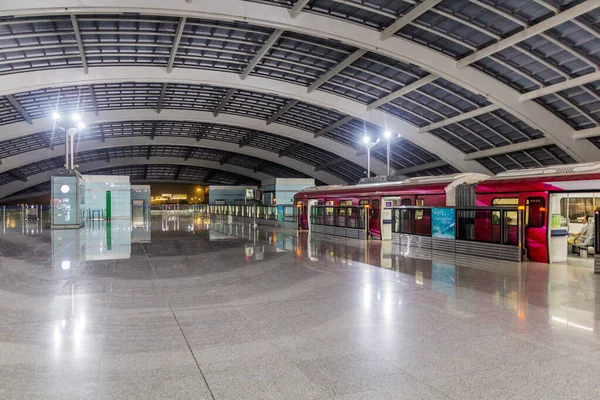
point(425, 191)
point(530, 189)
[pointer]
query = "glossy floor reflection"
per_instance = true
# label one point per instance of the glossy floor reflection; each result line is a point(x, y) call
point(180, 308)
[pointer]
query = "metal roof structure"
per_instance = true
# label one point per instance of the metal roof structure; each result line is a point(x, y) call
point(290, 87)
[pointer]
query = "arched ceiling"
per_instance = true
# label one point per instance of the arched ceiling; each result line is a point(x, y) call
point(472, 85)
point(143, 171)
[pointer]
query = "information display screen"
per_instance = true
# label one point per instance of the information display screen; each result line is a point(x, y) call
point(249, 194)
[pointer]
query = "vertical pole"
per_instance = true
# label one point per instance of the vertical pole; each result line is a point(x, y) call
point(72, 156)
point(67, 149)
point(388, 157)
point(520, 233)
point(368, 161)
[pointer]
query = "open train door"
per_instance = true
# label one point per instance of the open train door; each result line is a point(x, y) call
point(311, 202)
point(536, 225)
point(386, 215)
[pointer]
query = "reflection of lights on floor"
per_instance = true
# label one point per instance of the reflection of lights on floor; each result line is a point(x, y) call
point(65, 265)
point(564, 321)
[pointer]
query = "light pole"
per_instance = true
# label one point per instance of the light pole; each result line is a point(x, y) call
point(369, 145)
point(388, 138)
point(72, 127)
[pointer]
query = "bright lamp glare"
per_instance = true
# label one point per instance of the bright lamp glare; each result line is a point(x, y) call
point(55, 116)
point(387, 134)
point(80, 125)
point(366, 139)
point(76, 117)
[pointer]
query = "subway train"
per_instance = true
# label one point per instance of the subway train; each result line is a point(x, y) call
point(555, 199)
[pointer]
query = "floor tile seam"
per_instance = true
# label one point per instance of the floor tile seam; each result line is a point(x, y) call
point(193, 355)
point(154, 271)
point(283, 301)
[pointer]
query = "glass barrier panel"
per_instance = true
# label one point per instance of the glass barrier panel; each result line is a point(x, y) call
point(351, 216)
point(361, 218)
point(289, 213)
point(329, 216)
point(422, 222)
point(465, 224)
point(340, 219)
point(511, 227)
point(407, 222)
point(321, 216)
point(396, 220)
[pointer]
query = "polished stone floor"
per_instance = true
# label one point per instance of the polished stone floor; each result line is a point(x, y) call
point(180, 309)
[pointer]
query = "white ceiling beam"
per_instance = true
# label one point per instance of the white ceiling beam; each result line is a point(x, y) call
point(176, 40)
point(34, 180)
point(569, 83)
point(297, 8)
point(287, 107)
point(352, 34)
point(530, 144)
point(449, 121)
point(587, 133)
point(262, 52)
point(18, 174)
point(329, 164)
point(333, 126)
point(17, 106)
point(93, 98)
point(22, 129)
point(527, 33)
point(163, 90)
point(224, 101)
point(421, 167)
point(68, 77)
point(45, 139)
point(79, 42)
point(548, 6)
point(18, 161)
point(409, 17)
point(290, 149)
point(337, 69)
point(401, 92)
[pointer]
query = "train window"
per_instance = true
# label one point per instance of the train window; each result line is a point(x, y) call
point(419, 202)
point(575, 207)
point(406, 202)
point(363, 203)
point(505, 202)
point(329, 203)
point(345, 203)
point(535, 212)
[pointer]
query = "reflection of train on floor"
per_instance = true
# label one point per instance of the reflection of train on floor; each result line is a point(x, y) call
point(554, 200)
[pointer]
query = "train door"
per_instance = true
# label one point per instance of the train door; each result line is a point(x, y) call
point(536, 239)
point(386, 216)
point(311, 202)
point(374, 215)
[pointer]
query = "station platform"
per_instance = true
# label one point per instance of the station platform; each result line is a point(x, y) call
point(178, 307)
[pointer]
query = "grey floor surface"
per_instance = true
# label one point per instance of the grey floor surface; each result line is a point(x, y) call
point(188, 311)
